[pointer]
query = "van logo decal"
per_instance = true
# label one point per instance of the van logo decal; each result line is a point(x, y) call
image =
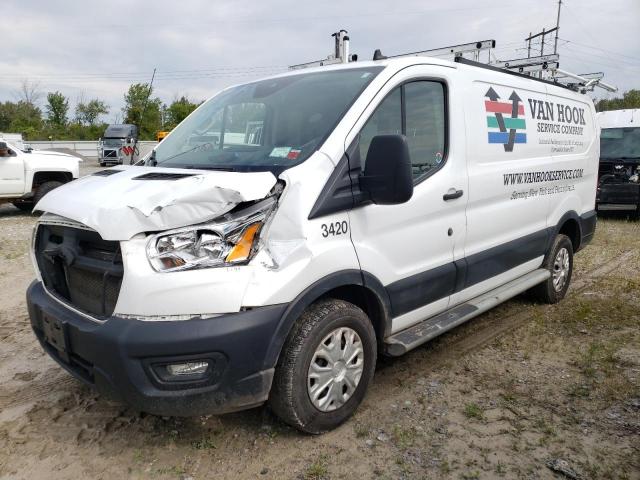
point(506, 117)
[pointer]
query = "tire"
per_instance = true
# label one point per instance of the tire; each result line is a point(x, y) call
point(559, 261)
point(102, 164)
point(291, 394)
point(24, 206)
point(43, 189)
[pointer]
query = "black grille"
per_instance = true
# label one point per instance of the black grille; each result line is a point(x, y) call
point(110, 154)
point(80, 268)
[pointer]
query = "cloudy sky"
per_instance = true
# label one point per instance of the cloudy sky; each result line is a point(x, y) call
point(88, 49)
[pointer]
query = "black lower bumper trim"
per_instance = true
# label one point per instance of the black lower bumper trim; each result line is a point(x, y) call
point(117, 356)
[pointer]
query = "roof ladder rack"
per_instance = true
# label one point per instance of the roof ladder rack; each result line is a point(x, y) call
point(456, 50)
point(530, 64)
point(340, 54)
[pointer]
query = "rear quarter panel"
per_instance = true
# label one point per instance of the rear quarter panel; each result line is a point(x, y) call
point(575, 148)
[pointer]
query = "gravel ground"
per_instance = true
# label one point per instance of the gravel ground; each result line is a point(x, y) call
point(524, 391)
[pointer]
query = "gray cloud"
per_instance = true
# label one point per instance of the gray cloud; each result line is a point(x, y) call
point(97, 49)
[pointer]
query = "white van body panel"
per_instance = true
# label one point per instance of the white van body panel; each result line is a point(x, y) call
point(391, 239)
point(295, 253)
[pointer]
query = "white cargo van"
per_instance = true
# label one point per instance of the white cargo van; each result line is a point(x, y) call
point(381, 204)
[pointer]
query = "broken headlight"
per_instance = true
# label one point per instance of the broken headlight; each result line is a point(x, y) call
point(229, 241)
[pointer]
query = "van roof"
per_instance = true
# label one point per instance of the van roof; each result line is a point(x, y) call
point(619, 118)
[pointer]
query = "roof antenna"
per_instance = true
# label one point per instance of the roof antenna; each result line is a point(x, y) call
point(377, 55)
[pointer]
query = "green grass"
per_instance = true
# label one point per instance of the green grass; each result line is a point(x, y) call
point(473, 410)
point(317, 470)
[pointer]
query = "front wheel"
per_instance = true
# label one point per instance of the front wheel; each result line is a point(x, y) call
point(559, 262)
point(24, 206)
point(325, 367)
point(43, 189)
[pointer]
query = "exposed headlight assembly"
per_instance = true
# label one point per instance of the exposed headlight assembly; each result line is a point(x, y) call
point(231, 240)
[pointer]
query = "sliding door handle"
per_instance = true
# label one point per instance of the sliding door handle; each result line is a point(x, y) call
point(452, 194)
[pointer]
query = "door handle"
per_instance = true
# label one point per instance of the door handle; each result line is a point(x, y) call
point(452, 194)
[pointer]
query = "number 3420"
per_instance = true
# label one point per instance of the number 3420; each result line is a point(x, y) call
point(334, 228)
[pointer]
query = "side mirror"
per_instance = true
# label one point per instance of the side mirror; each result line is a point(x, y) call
point(388, 176)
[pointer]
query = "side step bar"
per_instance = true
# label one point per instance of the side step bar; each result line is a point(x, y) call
point(405, 340)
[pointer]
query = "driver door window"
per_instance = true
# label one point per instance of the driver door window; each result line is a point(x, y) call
point(417, 110)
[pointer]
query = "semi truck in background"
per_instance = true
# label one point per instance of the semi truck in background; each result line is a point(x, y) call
point(118, 145)
point(619, 170)
point(17, 140)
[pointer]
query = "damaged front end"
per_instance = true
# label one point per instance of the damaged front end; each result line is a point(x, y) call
point(231, 239)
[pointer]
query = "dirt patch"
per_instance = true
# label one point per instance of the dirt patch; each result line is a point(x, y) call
point(524, 391)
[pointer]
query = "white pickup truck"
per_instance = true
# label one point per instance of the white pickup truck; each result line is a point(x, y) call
point(26, 177)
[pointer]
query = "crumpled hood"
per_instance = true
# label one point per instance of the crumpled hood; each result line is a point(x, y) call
point(120, 205)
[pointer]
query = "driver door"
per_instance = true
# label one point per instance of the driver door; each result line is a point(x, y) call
point(411, 248)
point(12, 174)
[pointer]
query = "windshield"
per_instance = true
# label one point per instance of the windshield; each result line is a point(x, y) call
point(119, 131)
point(620, 143)
point(270, 125)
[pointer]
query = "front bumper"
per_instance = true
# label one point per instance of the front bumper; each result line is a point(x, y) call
point(119, 356)
point(618, 196)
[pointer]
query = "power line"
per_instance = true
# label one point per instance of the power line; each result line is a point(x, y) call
point(602, 50)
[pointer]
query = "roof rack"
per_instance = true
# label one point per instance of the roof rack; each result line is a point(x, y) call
point(544, 68)
point(456, 50)
point(487, 66)
point(340, 54)
point(530, 64)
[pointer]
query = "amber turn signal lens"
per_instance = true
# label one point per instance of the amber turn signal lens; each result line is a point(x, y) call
point(242, 250)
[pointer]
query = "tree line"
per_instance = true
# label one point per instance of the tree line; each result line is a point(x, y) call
point(141, 108)
point(630, 99)
point(56, 121)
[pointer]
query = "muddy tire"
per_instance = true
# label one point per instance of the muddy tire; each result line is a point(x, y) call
point(325, 367)
point(559, 261)
point(43, 189)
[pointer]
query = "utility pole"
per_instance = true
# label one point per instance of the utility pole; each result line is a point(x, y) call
point(555, 46)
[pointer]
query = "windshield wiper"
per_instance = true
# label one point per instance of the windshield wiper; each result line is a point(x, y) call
point(210, 167)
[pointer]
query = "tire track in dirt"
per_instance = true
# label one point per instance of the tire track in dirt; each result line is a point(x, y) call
point(491, 329)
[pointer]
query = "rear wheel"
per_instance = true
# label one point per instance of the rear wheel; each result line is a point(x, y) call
point(43, 189)
point(559, 262)
point(325, 367)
